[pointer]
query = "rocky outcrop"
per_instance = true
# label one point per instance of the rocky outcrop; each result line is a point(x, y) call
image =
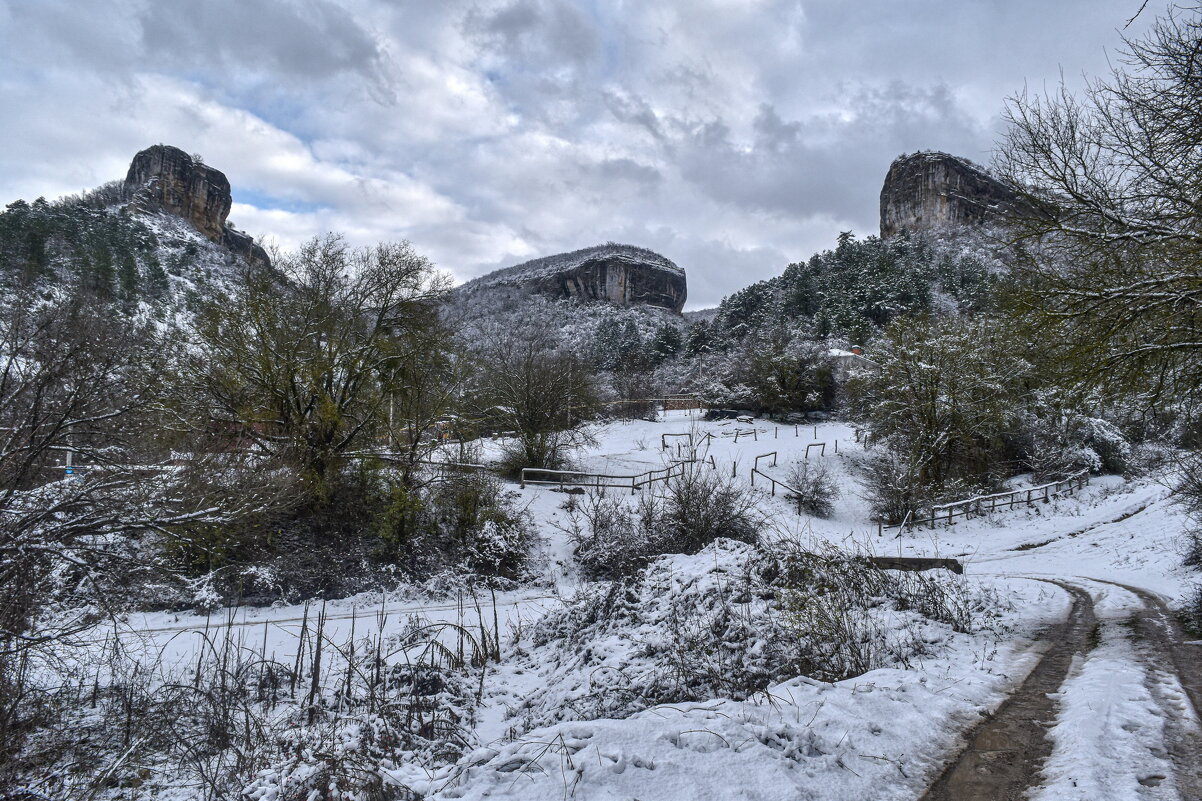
point(621, 274)
point(937, 191)
point(165, 179)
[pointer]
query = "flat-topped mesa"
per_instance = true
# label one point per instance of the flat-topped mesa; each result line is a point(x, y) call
point(165, 179)
point(624, 274)
point(937, 191)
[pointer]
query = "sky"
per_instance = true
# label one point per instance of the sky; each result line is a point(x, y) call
point(732, 136)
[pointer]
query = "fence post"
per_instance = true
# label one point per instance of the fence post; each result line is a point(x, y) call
point(736, 435)
point(836, 447)
point(755, 435)
point(775, 431)
point(733, 467)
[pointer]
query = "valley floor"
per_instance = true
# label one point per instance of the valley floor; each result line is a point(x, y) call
point(1120, 725)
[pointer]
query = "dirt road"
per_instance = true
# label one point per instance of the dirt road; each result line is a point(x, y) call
point(1010, 755)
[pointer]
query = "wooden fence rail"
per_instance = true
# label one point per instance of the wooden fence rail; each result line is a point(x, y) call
point(579, 478)
point(980, 504)
point(703, 439)
point(765, 456)
point(755, 471)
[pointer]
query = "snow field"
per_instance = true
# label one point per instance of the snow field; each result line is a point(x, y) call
point(883, 735)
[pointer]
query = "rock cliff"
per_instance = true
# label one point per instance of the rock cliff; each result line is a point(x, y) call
point(166, 179)
point(622, 274)
point(930, 191)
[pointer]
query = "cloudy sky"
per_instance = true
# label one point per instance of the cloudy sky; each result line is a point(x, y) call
point(733, 136)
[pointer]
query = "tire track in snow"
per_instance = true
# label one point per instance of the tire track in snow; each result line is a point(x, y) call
point(1006, 754)
point(1174, 679)
point(1005, 751)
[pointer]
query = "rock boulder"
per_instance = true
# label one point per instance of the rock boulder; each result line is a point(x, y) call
point(934, 191)
point(165, 179)
point(621, 274)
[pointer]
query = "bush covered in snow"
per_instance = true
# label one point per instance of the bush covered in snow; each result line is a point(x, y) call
point(466, 520)
point(691, 509)
point(815, 489)
point(729, 621)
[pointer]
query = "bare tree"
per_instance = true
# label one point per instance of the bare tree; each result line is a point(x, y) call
point(1113, 224)
point(78, 387)
point(532, 385)
point(301, 369)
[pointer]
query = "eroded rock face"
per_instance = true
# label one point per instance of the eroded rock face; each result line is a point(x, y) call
point(621, 274)
point(931, 191)
point(163, 178)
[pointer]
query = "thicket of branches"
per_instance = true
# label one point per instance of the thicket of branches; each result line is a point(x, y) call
point(1114, 246)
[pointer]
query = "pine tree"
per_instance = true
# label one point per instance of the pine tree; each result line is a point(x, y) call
point(666, 343)
point(127, 279)
point(699, 340)
point(157, 282)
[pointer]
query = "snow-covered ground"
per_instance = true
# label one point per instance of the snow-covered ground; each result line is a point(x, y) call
point(881, 735)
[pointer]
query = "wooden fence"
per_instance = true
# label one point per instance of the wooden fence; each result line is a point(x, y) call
point(702, 440)
point(773, 484)
point(579, 478)
point(980, 504)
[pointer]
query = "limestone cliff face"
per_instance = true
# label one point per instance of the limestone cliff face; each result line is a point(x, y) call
point(930, 191)
point(621, 274)
point(166, 179)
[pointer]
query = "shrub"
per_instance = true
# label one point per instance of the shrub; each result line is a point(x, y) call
point(815, 488)
point(697, 506)
point(1189, 496)
point(466, 520)
point(890, 482)
point(731, 621)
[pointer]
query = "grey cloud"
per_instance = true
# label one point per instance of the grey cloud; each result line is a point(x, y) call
point(295, 39)
point(537, 35)
point(632, 110)
point(629, 171)
point(827, 164)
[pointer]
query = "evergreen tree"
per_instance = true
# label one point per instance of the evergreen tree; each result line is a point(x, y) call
point(666, 343)
point(127, 279)
point(157, 282)
point(699, 340)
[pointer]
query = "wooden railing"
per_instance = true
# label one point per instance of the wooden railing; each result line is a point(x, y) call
point(764, 456)
point(702, 440)
point(579, 478)
point(773, 484)
point(980, 504)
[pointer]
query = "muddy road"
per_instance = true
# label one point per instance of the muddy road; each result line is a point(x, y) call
point(1052, 738)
